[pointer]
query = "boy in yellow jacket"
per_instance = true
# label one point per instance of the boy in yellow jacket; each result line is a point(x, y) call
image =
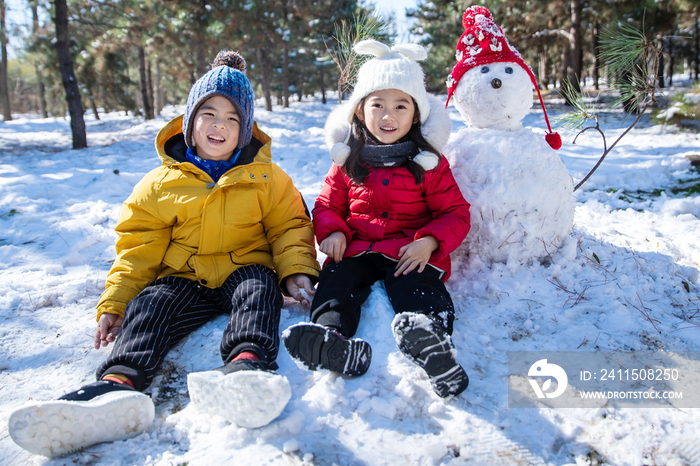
point(217, 229)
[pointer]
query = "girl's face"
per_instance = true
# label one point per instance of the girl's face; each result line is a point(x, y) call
point(216, 128)
point(388, 114)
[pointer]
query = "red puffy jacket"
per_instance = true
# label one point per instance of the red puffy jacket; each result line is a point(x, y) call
point(389, 210)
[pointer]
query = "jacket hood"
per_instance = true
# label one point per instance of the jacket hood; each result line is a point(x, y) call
point(436, 130)
point(171, 147)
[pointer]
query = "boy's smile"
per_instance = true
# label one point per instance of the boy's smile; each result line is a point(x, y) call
point(216, 129)
point(388, 114)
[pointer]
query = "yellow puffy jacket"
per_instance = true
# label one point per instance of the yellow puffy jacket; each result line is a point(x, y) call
point(178, 222)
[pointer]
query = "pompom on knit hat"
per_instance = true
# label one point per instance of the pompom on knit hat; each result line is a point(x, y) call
point(391, 68)
point(226, 78)
point(484, 42)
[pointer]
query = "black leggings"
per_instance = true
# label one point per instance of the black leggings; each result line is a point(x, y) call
point(343, 287)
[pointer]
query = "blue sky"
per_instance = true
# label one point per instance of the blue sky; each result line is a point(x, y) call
point(398, 7)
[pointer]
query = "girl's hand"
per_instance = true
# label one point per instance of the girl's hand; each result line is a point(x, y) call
point(416, 254)
point(108, 327)
point(334, 246)
point(298, 282)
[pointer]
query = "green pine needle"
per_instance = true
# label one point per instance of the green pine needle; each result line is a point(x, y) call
point(346, 35)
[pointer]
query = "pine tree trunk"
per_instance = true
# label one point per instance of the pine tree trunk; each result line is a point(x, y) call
point(149, 87)
point(660, 78)
point(75, 106)
point(4, 91)
point(157, 90)
point(543, 67)
point(262, 59)
point(285, 74)
point(564, 67)
point(41, 91)
point(93, 105)
point(576, 55)
point(697, 47)
point(670, 60)
point(596, 63)
point(323, 86)
point(40, 88)
point(200, 52)
point(147, 112)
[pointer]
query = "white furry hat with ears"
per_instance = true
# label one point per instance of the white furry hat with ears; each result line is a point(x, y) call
point(392, 68)
point(436, 130)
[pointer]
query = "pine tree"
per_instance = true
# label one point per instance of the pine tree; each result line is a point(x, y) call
point(631, 64)
point(75, 106)
point(4, 93)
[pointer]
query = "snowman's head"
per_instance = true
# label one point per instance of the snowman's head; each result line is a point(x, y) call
point(494, 95)
point(491, 82)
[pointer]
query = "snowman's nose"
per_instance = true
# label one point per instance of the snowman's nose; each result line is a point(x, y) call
point(496, 83)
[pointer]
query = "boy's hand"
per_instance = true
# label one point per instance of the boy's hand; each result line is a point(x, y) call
point(108, 328)
point(298, 282)
point(416, 254)
point(334, 246)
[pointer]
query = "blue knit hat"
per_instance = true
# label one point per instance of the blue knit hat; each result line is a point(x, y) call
point(227, 79)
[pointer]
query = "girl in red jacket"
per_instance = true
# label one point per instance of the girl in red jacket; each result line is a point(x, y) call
point(389, 210)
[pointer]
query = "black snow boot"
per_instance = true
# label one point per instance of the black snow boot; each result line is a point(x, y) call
point(426, 343)
point(318, 347)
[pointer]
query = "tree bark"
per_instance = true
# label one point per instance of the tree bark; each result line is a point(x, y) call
point(147, 112)
point(157, 90)
point(543, 67)
point(93, 105)
point(696, 54)
point(149, 87)
point(199, 46)
point(575, 53)
point(565, 57)
point(262, 59)
point(4, 91)
point(285, 74)
point(596, 51)
point(75, 106)
point(670, 60)
point(40, 88)
point(660, 78)
point(323, 86)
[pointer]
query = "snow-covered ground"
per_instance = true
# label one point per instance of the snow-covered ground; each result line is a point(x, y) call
point(626, 279)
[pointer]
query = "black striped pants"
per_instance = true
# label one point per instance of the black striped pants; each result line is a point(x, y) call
point(172, 307)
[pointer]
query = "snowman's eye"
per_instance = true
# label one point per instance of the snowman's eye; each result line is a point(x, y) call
point(484, 69)
point(509, 70)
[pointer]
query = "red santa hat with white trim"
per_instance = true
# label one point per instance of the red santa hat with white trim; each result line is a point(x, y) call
point(484, 42)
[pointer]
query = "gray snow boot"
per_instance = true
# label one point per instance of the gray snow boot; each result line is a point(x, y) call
point(318, 347)
point(426, 343)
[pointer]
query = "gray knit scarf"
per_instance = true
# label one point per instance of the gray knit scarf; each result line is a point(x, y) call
point(389, 155)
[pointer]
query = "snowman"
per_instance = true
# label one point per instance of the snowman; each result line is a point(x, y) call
point(521, 195)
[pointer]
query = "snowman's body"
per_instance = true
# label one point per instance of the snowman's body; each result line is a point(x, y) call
point(521, 195)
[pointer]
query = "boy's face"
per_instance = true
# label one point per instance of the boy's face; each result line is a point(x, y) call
point(216, 128)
